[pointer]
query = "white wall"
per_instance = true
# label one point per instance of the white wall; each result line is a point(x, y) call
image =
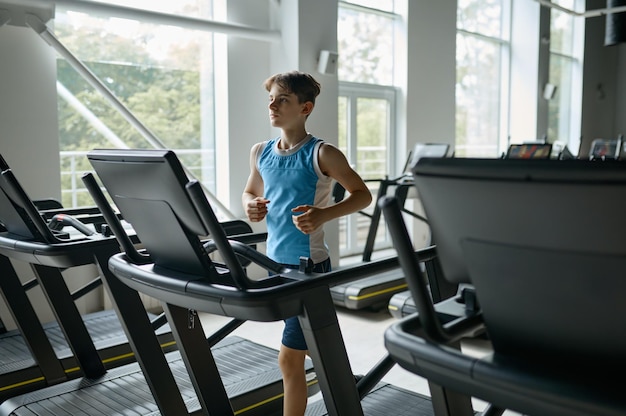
point(28, 111)
point(600, 114)
point(431, 72)
point(524, 71)
point(429, 88)
point(247, 67)
point(29, 129)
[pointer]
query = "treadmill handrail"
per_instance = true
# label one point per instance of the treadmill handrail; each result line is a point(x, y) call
point(210, 221)
point(116, 226)
point(27, 205)
point(433, 328)
point(249, 253)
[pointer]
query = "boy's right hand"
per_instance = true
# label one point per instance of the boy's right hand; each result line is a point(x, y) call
point(256, 209)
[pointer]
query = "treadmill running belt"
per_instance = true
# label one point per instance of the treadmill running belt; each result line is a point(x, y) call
point(249, 373)
point(103, 326)
point(383, 400)
point(17, 364)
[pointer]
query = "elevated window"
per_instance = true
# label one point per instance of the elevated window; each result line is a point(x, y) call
point(162, 74)
point(482, 52)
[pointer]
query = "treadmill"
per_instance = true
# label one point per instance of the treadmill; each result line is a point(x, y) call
point(548, 293)
point(182, 275)
point(96, 382)
point(402, 304)
point(35, 355)
point(375, 292)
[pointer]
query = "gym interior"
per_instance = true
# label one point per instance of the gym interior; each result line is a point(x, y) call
point(92, 299)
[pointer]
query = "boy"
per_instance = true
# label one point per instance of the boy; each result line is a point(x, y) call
point(289, 186)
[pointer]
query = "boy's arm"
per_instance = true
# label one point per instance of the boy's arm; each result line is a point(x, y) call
point(254, 204)
point(333, 163)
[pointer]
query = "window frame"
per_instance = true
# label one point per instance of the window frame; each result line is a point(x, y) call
point(352, 92)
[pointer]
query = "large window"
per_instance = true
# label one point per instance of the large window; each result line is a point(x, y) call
point(162, 74)
point(481, 77)
point(366, 42)
point(565, 69)
point(365, 130)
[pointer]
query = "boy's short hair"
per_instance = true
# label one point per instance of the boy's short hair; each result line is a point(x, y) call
point(303, 85)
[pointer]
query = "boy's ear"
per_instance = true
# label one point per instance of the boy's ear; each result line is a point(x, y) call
point(307, 107)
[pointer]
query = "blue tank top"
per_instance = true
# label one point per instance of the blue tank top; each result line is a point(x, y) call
point(291, 178)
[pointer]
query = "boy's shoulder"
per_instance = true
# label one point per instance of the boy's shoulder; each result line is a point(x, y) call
point(261, 145)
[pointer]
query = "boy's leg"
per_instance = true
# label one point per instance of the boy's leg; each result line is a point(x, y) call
point(291, 363)
point(291, 358)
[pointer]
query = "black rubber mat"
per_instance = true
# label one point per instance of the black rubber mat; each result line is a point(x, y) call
point(103, 326)
point(385, 400)
point(249, 373)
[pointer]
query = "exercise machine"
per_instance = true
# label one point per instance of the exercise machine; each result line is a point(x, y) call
point(546, 292)
point(375, 292)
point(253, 387)
point(36, 355)
point(182, 275)
point(402, 304)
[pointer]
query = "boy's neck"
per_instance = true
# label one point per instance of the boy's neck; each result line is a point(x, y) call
point(289, 139)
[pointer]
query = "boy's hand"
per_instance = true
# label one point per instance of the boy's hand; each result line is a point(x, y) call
point(310, 220)
point(256, 209)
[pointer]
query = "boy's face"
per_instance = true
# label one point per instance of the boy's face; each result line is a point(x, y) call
point(284, 108)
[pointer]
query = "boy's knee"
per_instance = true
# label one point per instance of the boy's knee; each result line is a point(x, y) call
point(291, 360)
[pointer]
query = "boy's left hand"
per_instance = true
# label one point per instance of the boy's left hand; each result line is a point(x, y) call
point(310, 220)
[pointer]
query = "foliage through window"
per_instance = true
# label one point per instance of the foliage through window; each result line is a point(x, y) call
point(563, 67)
point(480, 49)
point(155, 72)
point(365, 43)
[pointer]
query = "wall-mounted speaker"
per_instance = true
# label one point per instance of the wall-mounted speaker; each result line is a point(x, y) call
point(549, 90)
point(327, 63)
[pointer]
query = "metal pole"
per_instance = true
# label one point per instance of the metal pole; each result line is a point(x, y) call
point(588, 13)
point(40, 27)
point(91, 118)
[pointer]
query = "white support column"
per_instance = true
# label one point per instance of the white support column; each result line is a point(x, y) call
point(309, 27)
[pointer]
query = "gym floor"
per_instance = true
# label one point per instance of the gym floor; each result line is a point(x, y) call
point(363, 333)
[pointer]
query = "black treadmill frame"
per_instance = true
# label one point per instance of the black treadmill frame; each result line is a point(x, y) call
point(283, 294)
point(534, 310)
point(48, 256)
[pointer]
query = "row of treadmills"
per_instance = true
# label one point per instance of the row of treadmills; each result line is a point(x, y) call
point(389, 290)
point(546, 294)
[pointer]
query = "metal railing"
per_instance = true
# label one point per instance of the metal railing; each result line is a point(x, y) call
point(74, 165)
point(200, 163)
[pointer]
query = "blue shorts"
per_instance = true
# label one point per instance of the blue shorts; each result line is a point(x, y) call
point(292, 334)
